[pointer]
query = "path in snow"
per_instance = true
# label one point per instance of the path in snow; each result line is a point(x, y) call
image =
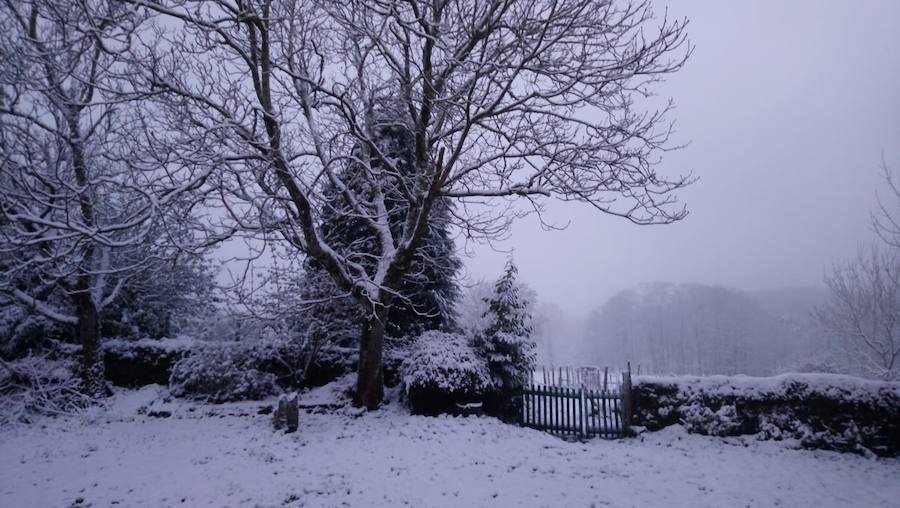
point(388, 458)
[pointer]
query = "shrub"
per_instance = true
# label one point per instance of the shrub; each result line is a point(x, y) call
point(281, 357)
point(443, 370)
point(698, 418)
point(134, 363)
point(39, 385)
point(332, 362)
point(218, 373)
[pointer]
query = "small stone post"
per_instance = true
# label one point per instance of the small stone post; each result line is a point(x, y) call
point(287, 415)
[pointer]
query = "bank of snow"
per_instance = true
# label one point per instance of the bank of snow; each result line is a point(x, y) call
point(229, 456)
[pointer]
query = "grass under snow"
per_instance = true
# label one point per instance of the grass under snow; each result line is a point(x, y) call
point(229, 456)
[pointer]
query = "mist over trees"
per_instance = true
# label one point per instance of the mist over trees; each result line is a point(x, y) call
point(698, 329)
point(850, 327)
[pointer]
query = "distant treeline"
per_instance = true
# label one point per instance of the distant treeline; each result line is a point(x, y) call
point(698, 329)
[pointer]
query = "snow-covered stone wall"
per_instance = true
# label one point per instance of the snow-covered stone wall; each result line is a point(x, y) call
point(818, 410)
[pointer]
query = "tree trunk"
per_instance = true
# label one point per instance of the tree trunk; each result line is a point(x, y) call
point(88, 334)
point(370, 376)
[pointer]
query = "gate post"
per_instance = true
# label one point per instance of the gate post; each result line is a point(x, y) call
point(522, 418)
point(583, 411)
point(626, 402)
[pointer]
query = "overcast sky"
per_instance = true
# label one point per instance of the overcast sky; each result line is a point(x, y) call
point(788, 107)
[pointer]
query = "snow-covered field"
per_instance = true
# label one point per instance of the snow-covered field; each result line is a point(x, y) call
point(229, 456)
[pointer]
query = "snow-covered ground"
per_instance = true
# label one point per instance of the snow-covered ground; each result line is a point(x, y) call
point(229, 456)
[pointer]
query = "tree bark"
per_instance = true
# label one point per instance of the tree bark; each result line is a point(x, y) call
point(370, 374)
point(88, 334)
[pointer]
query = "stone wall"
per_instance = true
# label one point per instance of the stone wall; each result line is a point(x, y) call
point(817, 410)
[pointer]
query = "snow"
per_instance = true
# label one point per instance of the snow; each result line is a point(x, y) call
point(168, 345)
point(130, 403)
point(332, 394)
point(228, 455)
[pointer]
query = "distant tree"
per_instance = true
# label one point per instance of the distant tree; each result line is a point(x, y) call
point(166, 297)
point(863, 312)
point(697, 329)
point(506, 342)
point(550, 333)
point(886, 218)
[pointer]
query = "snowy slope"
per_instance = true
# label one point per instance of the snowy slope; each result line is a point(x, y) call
point(229, 456)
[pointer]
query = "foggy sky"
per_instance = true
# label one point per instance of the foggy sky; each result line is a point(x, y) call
point(788, 108)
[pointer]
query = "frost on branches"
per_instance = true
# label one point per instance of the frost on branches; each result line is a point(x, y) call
point(278, 98)
point(39, 385)
point(79, 215)
point(428, 291)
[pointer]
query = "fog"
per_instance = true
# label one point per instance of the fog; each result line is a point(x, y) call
point(786, 109)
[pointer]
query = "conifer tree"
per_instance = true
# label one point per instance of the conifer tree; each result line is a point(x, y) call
point(506, 343)
point(429, 290)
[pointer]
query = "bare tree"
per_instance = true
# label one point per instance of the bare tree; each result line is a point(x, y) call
point(507, 101)
point(74, 215)
point(863, 312)
point(886, 219)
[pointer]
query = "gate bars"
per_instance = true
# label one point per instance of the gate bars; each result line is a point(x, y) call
point(578, 411)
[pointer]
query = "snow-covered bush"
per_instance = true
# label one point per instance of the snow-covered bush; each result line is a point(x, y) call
point(23, 330)
point(446, 361)
point(281, 357)
point(442, 370)
point(218, 373)
point(699, 418)
point(39, 385)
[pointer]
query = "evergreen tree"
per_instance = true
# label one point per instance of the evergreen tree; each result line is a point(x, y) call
point(506, 343)
point(426, 297)
point(163, 299)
